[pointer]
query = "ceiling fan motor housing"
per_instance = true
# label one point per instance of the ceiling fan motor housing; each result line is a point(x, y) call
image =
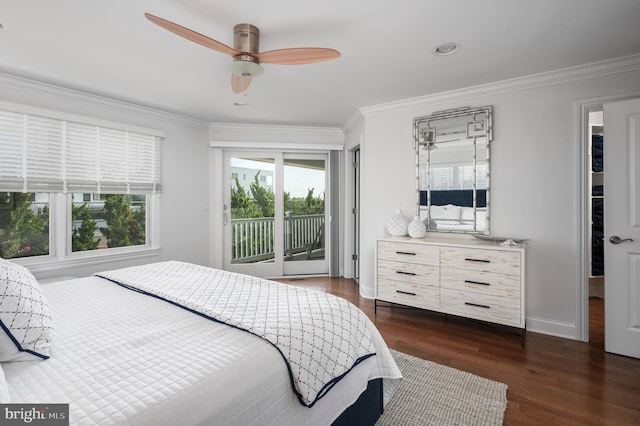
point(246, 38)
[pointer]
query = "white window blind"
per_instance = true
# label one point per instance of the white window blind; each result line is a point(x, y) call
point(458, 177)
point(42, 154)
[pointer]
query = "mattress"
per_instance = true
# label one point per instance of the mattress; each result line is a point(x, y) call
point(121, 357)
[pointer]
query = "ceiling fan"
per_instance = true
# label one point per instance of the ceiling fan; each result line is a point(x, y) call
point(245, 52)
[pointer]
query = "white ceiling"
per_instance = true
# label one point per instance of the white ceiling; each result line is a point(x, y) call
point(108, 48)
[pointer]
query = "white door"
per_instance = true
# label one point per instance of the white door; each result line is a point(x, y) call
point(622, 227)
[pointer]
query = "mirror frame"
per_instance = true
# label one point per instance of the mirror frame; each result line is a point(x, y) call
point(475, 129)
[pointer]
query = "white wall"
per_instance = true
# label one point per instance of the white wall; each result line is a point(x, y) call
point(184, 221)
point(535, 177)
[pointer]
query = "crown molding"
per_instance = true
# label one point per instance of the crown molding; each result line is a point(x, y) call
point(596, 69)
point(354, 120)
point(224, 135)
point(9, 81)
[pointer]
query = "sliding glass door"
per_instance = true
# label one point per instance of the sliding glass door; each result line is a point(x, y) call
point(275, 213)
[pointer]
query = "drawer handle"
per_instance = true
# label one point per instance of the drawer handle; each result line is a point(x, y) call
point(405, 292)
point(408, 253)
point(405, 273)
point(476, 282)
point(476, 305)
point(476, 260)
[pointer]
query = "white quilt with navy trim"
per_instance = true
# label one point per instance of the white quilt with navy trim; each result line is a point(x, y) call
point(320, 336)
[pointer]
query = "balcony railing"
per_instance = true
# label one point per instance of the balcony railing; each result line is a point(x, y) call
point(253, 239)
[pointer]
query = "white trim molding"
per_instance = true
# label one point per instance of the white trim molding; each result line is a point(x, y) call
point(566, 330)
point(231, 135)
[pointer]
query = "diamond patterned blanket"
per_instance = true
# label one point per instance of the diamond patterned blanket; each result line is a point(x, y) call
point(320, 336)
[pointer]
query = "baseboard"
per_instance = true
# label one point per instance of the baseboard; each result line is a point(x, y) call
point(552, 328)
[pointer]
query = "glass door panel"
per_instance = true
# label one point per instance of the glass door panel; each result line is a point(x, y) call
point(304, 220)
point(250, 214)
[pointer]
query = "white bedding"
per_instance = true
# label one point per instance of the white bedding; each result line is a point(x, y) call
point(321, 336)
point(120, 357)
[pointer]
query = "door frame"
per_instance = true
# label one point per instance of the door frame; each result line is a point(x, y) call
point(357, 142)
point(355, 155)
point(581, 119)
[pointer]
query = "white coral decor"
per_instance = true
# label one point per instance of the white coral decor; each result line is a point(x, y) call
point(417, 228)
point(397, 224)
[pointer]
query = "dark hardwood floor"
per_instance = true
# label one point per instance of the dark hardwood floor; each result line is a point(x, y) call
point(552, 381)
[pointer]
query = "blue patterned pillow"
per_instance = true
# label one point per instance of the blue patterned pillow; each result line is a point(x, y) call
point(26, 324)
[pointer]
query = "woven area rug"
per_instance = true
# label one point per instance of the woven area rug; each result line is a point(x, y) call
point(433, 394)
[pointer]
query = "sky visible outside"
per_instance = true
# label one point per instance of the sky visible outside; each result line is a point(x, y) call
point(298, 180)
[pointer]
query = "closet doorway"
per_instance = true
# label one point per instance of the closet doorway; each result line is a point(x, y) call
point(595, 196)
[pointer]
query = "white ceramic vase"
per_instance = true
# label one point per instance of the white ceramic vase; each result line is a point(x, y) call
point(397, 224)
point(417, 228)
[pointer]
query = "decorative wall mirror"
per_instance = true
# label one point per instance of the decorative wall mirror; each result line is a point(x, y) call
point(452, 150)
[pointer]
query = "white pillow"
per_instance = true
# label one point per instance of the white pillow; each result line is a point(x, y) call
point(26, 324)
point(481, 220)
point(466, 214)
point(448, 212)
point(4, 388)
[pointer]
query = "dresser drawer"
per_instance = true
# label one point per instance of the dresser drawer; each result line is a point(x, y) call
point(481, 306)
point(495, 261)
point(408, 252)
point(406, 293)
point(409, 272)
point(502, 285)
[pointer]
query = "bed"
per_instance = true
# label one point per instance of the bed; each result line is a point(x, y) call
point(118, 354)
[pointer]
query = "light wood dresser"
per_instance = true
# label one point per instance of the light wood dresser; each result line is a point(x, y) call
point(470, 278)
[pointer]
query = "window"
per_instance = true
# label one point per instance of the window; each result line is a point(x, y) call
point(104, 178)
point(24, 224)
point(107, 221)
point(458, 177)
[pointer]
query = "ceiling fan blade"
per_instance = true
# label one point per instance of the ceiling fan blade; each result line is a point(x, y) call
point(297, 56)
point(239, 83)
point(192, 35)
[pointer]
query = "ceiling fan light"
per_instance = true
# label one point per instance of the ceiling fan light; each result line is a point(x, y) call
point(245, 68)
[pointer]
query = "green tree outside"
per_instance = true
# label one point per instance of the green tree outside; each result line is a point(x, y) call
point(126, 227)
point(263, 198)
point(83, 238)
point(24, 229)
point(260, 202)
